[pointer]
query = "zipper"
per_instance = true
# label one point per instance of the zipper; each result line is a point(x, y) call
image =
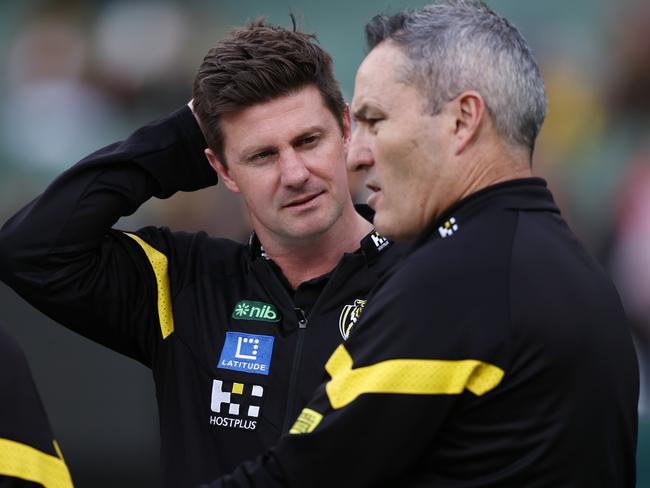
point(297, 355)
point(278, 288)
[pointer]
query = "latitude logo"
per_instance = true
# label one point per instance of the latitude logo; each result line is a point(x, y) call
point(249, 353)
point(250, 310)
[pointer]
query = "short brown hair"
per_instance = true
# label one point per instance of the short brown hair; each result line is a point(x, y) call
point(256, 64)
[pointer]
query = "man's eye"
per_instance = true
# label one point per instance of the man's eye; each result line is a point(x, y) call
point(305, 141)
point(261, 155)
point(368, 122)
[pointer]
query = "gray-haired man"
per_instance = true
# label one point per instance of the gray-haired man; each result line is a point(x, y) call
point(498, 354)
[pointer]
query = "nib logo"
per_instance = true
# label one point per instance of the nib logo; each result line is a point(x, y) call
point(249, 310)
point(241, 310)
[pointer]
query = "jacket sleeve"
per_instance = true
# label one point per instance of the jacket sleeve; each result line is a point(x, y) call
point(61, 254)
point(29, 453)
point(388, 392)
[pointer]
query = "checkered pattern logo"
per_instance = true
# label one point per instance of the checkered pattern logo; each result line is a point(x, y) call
point(448, 228)
point(236, 399)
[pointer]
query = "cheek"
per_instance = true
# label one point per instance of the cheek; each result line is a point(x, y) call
point(395, 145)
point(395, 161)
point(328, 164)
point(257, 190)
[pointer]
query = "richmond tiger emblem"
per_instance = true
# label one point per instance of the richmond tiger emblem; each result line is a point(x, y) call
point(349, 317)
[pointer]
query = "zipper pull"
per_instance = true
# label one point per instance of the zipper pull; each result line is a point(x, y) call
point(302, 319)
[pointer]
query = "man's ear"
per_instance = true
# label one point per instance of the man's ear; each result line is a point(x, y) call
point(469, 112)
point(347, 128)
point(222, 170)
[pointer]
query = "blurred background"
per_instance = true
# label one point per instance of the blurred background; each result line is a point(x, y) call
point(77, 75)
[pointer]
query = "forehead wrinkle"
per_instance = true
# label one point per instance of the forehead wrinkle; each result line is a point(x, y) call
point(278, 122)
point(276, 128)
point(367, 96)
point(386, 62)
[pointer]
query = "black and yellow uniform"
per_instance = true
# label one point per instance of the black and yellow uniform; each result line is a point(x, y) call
point(29, 455)
point(496, 355)
point(235, 353)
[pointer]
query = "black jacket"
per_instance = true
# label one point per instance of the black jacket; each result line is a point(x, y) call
point(496, 355)
point(29, 453)
point(234, 355)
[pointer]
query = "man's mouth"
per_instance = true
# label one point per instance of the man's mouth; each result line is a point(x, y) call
point(303, 199)
point(372, 187)
point(374, 195)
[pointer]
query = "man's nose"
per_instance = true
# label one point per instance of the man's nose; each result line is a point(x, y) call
point(359, 154)
point(293, 169)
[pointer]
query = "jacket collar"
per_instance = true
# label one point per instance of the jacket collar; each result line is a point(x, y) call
point(519, 194)
point(371, 246)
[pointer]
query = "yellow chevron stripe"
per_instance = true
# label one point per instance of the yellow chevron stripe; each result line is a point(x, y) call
point(407, 376)
point(306, 422)
point(25, 462)
point(158, 262)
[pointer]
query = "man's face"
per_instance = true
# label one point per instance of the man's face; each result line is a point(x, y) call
point(404, 149)
point(287, 159)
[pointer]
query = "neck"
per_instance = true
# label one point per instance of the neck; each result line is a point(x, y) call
point(490, 167)
point(305, 259)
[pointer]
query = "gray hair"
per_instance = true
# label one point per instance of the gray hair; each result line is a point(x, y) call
point(460, 45)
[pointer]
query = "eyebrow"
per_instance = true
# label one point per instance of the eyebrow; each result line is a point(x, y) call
point(251, 151)
point(361, 113)
point(309, 131)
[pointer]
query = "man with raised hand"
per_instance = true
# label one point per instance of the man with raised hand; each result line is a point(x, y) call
point(498, 353)
point(236, 334)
